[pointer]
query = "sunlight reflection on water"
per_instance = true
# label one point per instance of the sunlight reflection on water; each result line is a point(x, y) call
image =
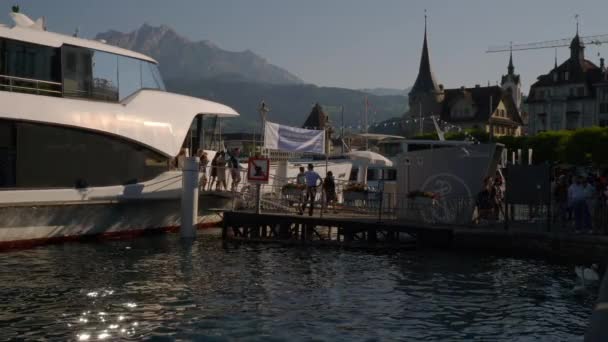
point(162, 287)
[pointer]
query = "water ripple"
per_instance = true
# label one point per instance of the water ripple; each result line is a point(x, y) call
point(159, 287)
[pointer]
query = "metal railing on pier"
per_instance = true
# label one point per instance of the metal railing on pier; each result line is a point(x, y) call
point(353, 200)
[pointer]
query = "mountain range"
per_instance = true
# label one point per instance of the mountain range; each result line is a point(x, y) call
point(181, 58)
point(243, 79)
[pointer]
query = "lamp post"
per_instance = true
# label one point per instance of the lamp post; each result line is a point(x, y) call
point(263, 110)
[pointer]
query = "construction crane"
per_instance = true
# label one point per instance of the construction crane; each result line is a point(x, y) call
point(550, 44)
point(589, 40)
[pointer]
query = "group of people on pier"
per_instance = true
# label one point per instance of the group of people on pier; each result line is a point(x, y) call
point(216, 169)
point(579, 201)
point(582, 197)
point(213, 172)
point(489, 201)
point(310, 180)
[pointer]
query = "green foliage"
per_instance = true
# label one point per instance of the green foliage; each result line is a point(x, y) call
point(426, 136)
point(479, 135)
point(548, 146)
point(586, 146)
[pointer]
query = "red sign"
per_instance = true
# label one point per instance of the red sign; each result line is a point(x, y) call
point(258, 170)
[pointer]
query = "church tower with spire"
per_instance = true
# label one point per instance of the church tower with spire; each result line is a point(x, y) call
point(426, 96)
point(511, 83)
point(490, 108)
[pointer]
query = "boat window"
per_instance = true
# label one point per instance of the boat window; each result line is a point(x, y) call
point(389, 174)
point(372, 174)
point(129, 76)
point(7, 154)
point(105, 76)
point(77, 72)
point(44, 156)
point(211, 132)
point(29, 68)
point(150, 76)
point(354, 174)
point(31, 61)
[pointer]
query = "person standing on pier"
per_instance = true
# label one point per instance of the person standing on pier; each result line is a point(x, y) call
point(577, 199)
point(301, 178)
point(485, 202)
point(329, 188)
point(301, 182)
point(313, 180)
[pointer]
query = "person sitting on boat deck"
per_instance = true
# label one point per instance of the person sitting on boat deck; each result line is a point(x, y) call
point(329, 187)
point(313, 180)
point(221, 172)
point(202, 167)
point(235, 168)
point(213, 170)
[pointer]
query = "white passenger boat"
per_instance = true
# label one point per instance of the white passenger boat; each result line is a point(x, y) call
point(87, 135)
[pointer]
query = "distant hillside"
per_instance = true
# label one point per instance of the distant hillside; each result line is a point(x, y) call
point(181, 58)
point(290, 104)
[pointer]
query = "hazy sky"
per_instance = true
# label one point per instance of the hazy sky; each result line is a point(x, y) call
point(352, 43)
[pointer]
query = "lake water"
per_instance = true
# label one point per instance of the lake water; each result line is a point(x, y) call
point(159, 288)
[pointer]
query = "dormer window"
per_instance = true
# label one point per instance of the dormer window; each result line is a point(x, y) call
point(554, 77)
point(566, 74)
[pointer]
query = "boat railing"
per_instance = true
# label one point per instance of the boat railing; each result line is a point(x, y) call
point(30, 85)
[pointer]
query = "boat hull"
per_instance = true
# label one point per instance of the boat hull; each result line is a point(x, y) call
point(27, 225)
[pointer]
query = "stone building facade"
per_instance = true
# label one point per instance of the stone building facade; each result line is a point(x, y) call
point(572, 95)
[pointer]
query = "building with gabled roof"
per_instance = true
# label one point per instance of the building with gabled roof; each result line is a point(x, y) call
point(494, 109)
point(491, 109)
point(319, 120)
point(572, 95)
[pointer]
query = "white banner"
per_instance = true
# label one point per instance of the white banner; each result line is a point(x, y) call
point(293, 139)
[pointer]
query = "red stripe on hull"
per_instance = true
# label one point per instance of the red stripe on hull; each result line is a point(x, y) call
point(121, 235)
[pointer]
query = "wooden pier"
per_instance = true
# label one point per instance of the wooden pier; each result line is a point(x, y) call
point(368, 232)
point(290, 229)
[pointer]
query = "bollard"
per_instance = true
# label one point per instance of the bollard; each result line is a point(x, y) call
point(189, 198)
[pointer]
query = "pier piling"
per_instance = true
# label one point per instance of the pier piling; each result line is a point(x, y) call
point(189, 201)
